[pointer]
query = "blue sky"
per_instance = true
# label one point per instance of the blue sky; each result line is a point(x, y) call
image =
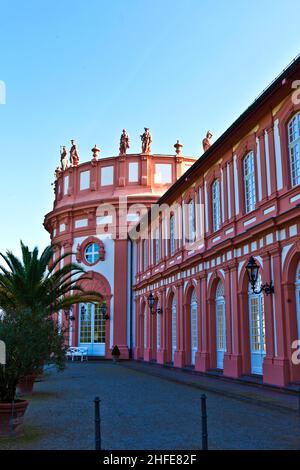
point(85, 70)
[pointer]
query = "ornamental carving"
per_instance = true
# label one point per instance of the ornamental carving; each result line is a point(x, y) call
point(80, 250)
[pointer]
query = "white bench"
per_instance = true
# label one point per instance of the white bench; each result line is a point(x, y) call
point(77, 352)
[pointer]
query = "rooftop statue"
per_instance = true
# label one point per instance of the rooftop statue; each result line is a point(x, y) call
point(146, 139)
point(178, 148)
point(206, 142)
point(58, 172)
point(74, 157)
point(95, 152)
point(64, 163)
point(124, 142)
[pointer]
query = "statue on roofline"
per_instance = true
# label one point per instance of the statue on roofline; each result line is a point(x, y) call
point(64, 163)
point(206, 142)
point(146, 139)
point(74, 157)
point(124, 142)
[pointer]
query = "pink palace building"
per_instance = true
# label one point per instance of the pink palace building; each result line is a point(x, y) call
point(179, 293)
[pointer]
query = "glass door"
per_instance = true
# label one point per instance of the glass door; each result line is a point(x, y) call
point(174, 332)
point(92, 329)
point(257, 332)
point(194, 327)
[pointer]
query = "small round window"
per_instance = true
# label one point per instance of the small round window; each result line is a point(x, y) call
point(91, 253)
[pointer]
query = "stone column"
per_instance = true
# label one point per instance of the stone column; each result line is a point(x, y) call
point(278, 374)
point(203, 363)
point(162, 352)
point(234, 365)
point(269, 323)
point(120, 297)
point(137, 348)
point(200, 325)
point(179, 356)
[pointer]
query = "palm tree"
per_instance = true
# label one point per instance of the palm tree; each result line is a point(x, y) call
point(38, 283)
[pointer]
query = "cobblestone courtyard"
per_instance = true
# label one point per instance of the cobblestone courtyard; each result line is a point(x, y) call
point(152, 408)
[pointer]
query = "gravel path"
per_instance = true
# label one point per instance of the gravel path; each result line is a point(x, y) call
point(141, 411)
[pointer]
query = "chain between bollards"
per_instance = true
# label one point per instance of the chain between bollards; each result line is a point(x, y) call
point(204, 423)
point(97, 424)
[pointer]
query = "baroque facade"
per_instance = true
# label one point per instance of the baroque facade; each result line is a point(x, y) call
point(239, 199)
point(95, 204)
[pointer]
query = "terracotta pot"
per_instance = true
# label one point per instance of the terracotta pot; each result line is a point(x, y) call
point(11, 417)
point(25, 385)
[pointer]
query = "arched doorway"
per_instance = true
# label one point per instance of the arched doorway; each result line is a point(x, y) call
point(174, 327)
point(194, 326)
point(256, 329)
point(220, 325)
point(92, 326)
point(297, 290)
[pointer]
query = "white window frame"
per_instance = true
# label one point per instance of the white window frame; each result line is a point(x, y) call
point(294, 149)
point(249, 182)
point(216, 205)
point(157, 246)
point(95, 253)
point(194, 325)
point(145, 255)
point(257, 328)
point(191, 221)
point(172, 235)
point(174, 326)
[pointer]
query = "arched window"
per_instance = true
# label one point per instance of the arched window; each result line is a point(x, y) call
point(172, 235)
point(220, 325)
point(174, 327)
point(257, 328)
point(145, 254)
point(249, 182)
point(92, 253)
point(191, 221)
point(294, 149)
point(216, 209)
point(194, 326)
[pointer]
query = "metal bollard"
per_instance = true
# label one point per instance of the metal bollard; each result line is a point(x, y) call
point(97, 424)
point(204, 423)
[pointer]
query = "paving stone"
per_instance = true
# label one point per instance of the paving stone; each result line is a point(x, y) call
point(140, 410)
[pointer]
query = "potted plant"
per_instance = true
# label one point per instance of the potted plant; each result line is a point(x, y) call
point(115, 353)
point(28, 338)
point(32, 290)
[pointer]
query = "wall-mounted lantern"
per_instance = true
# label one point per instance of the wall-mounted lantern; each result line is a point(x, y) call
point(252, 270)
point(151, 302)
point(103, 310)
